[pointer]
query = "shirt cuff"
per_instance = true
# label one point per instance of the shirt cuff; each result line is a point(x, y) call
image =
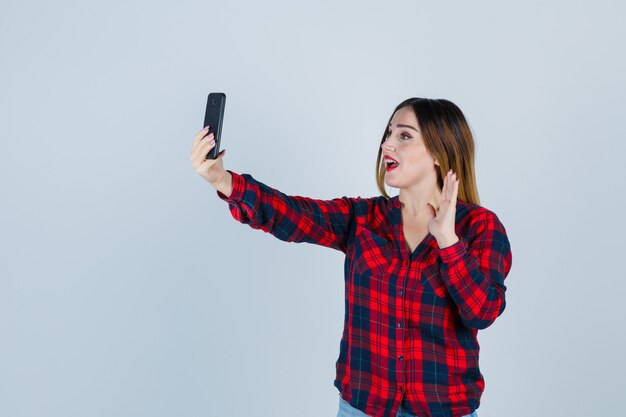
point(454, 252)
point(238, 188)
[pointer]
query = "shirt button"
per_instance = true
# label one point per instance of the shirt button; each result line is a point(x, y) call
point(400, 292)
point(399, 324)
point(400, 358)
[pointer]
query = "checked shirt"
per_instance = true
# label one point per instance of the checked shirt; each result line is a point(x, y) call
point(411, 319)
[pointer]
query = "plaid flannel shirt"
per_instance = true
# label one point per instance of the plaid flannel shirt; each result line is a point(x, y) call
point(411, 319)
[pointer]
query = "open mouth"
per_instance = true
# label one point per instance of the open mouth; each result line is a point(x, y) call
point(390, 164)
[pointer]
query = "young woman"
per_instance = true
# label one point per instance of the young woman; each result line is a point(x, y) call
point(424, 270)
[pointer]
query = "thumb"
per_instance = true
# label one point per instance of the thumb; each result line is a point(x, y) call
point(432, 213)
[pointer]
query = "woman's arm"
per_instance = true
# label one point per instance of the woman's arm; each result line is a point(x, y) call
point(289, 218)
point(474, 273)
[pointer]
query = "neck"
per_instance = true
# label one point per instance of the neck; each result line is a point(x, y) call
point(415, 200)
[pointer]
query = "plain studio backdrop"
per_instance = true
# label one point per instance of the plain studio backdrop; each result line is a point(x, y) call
point(126, 287)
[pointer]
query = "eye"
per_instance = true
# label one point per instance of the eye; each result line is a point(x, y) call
point(402, 135)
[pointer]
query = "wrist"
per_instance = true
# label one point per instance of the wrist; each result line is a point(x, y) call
point(446, 241)
point(224, 184)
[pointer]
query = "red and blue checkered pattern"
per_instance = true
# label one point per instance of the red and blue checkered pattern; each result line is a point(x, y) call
point(411, 319)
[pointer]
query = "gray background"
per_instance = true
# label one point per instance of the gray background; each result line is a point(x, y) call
point(126, 288)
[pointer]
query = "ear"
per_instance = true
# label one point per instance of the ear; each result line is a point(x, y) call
point(436, 162)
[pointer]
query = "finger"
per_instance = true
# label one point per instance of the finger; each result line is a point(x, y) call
point(451, 180)
point(432, 212)
point(200, 135)
point(202, 156)
point(446, 186)
point(208, 162)
point(203, 147)
point(201, 151)
point(198, 140)
point(455, 191)
point(220, 155)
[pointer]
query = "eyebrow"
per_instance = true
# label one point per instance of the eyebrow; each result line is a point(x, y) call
point(410, 127)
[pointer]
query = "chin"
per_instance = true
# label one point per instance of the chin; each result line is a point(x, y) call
point(392, 184)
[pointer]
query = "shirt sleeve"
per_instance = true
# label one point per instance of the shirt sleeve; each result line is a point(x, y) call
point(474, 272)
point(290, 218)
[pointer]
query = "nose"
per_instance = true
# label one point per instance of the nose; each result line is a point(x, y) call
point(387, 146)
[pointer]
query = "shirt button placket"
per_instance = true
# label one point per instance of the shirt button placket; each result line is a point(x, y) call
point(405, 263)
point(400, 357)
point(400, 323)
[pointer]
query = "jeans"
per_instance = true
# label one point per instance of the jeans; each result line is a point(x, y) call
point(346, 410)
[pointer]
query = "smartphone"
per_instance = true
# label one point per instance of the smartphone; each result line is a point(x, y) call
point(213, 117)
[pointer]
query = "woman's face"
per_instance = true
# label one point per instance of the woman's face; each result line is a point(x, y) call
point(404, 144)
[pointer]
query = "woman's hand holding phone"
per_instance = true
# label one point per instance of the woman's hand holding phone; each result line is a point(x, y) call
point(211, 170)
